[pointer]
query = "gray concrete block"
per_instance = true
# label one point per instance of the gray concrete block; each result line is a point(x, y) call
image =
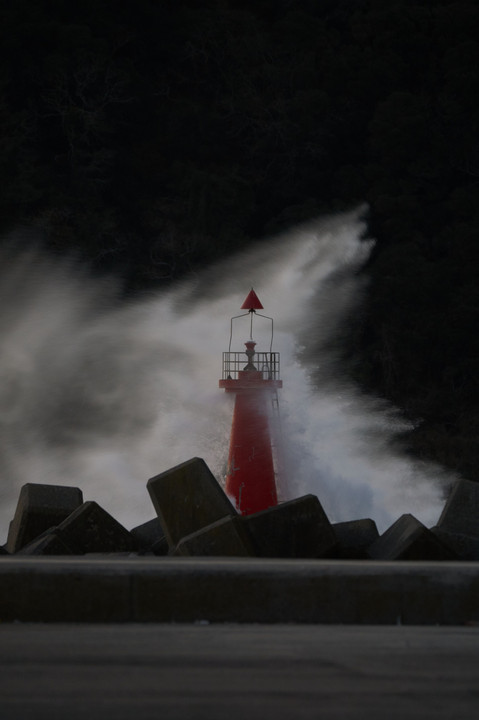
point(160, 548)
point(150, 537)
point(227, 537)
point(48, 543)
point(295, 529)
point(354, 538)
point(466, 547)
point(461, 511)
point(409, 539)
point(40, 507)
point(187, 498)
point(91, 529)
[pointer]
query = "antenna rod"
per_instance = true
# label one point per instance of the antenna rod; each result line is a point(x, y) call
point(235, 317)
point(268, 318)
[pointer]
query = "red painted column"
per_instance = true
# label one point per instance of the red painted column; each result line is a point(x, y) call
point(250, 477)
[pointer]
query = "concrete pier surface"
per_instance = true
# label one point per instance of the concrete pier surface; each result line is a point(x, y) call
point(239, 672)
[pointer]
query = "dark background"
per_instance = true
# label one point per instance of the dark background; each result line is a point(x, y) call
point(150, 137)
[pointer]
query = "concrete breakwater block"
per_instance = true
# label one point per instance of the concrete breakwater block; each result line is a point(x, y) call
point(295, 529)
point(465, 547)
point(188, 498)
point(40, 507)
point(90, 529)
point(461, 511)
point(48, 543)
point(227, 537)
point(150, 537)
point(354, 538)
point(196, 518)
point(409, 539)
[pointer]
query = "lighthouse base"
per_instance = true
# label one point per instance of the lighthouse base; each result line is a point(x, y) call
point(250, 479)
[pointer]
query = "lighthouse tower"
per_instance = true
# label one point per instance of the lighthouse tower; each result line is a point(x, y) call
point(254, 378)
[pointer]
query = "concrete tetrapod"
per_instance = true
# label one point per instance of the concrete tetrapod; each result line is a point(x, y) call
point(354, 538)
point(90, 529)
point(40, 507)
point(187, 498)
point(150, 537)
point(409, 539)
point(227, 537)
point(298, 528)
point(461, 511)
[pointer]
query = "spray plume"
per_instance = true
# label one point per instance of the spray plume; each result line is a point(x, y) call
point(102, 395)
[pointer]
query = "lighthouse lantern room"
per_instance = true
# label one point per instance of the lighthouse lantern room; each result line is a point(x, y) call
point(254, 378)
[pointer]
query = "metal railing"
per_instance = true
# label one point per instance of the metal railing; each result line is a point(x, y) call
point(266, 362)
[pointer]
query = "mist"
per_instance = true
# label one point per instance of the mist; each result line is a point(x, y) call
point(102, 394)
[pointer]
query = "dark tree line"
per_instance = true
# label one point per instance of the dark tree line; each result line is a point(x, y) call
point(151, 137)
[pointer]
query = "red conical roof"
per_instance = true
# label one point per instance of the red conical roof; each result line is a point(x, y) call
point(252, 302)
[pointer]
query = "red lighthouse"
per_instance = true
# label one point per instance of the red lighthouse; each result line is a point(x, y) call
point(254, 378)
